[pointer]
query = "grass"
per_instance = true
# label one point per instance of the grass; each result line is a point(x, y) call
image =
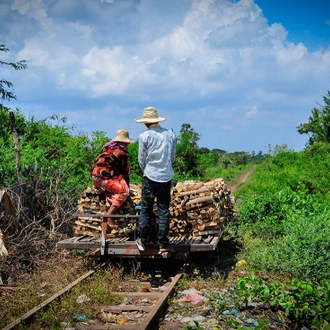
point(52, 275)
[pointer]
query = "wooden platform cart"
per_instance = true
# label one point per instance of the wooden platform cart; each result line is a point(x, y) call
point(199, 212)
point(181, 245)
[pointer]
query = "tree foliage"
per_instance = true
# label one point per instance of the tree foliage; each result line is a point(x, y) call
point(186, 162)
point(318, 125)
point(6, 87)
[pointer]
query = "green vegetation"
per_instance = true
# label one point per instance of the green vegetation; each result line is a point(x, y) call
point(284, 216)
point(302, 302)
point(50, 149)
point(318, 126)
point(6, 87)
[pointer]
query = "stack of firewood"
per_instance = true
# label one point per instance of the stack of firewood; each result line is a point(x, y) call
point(201, 208)
point(93, 203)
point(196, 208)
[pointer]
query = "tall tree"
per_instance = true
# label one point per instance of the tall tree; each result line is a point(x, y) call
point(6, 93)
point(186, 162)
point(318, 125)
point(6, 87)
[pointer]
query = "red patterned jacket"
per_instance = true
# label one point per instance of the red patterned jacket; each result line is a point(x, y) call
point(112, 164)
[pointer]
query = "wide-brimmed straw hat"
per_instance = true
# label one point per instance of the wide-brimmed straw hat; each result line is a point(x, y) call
point(150, 116)
point(122, 136)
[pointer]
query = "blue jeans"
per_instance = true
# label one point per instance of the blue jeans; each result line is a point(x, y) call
point(150, 191)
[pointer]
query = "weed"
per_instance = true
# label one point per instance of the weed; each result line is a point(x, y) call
point(301, 301)
point(183, 283)
point(196, 326)
point(135, 267)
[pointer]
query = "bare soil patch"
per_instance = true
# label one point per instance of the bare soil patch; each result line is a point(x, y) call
point(240, 180)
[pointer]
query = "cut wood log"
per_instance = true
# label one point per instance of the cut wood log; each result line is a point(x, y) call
point(200, 200)
point(207, 206)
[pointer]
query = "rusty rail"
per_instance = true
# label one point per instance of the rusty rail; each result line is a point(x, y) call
point(146, 322)
point(47, 301)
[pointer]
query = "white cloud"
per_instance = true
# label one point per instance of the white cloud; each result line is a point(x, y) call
point(47, 55)
point(107, 70)
point(82, 29)
point(217, 46)
point(252, 113)
point(33, 9)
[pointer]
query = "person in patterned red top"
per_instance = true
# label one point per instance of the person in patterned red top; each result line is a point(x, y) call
point(110, 171)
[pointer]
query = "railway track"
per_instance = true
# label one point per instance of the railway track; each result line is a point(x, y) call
point(137, 310)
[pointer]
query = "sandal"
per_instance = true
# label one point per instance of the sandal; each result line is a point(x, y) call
point(139, 244)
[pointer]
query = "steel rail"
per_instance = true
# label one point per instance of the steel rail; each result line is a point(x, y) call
point(146, 323)
point(150, 318)
point(161, 302)
point(47, 301)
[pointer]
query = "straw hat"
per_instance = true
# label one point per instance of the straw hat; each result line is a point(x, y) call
point(122, 136)
point(150, 116)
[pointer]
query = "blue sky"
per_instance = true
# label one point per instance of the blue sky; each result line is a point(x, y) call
point(244, 73)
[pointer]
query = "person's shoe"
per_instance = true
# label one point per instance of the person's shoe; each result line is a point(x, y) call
point(139, 244)
point(163, 251)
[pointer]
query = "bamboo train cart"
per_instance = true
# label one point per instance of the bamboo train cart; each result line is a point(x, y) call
point(199, 212)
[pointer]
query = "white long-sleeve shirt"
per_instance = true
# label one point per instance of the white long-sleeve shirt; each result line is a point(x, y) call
point(157, 152)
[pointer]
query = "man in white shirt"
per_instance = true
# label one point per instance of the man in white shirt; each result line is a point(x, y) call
point(156, 156)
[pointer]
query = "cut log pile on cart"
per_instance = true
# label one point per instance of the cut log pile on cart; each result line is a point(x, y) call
point(196, 209)
point(93, 202)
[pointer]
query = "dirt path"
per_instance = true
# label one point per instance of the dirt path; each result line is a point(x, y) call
point(240, 180)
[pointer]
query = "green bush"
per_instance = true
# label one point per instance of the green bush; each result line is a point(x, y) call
point(284, 214)
point(305, 247)
point(303, 302)
point(302, 250)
